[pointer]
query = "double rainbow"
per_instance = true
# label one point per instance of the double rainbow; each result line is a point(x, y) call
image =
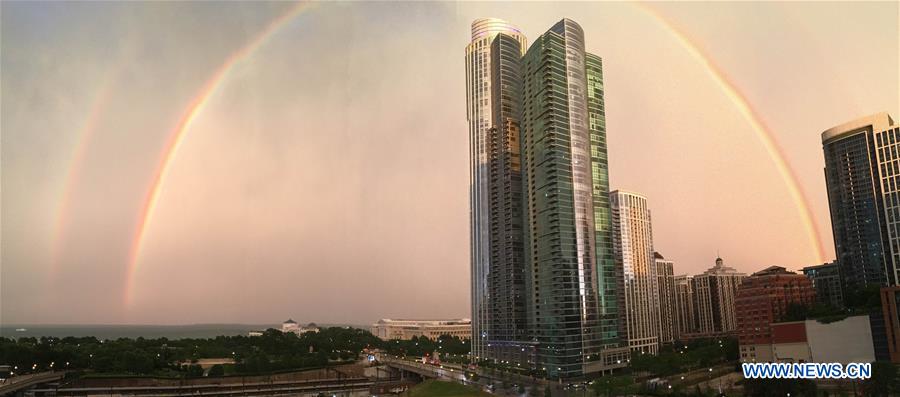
point(176, 137)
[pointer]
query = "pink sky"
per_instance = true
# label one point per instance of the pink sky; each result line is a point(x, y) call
point(326, 179)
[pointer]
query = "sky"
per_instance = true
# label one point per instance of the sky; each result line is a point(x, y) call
point(321, 166)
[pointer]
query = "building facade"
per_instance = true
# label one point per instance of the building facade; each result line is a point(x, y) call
point(685, 316)
point(845, 341)
point(492, 80)
point(826, 279)
point(566, 270)
point(609, 280)
point(389, 329)
point(633, 246)
point(507, 328)
point(714, 293)
point(665, 281)
point(763, 298)
point(890, 302)
point(862, 176)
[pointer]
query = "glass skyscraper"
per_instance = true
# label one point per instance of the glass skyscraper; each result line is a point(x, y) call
point(493, 108)
point(862, 175)
point(544, 281)
point(563, 132)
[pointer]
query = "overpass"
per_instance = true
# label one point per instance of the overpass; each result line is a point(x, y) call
point(456, 373)
point(334, 386)
point(18, 384)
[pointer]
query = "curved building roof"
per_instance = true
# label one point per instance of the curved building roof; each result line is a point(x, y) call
point(878, 122)
point(491, 26)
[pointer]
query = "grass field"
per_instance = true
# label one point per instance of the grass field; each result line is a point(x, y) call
point(435, 388)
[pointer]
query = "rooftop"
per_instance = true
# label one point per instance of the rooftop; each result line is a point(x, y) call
point(878, 122)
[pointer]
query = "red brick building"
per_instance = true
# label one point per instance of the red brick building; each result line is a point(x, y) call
point(890, 297)
point(763, 299)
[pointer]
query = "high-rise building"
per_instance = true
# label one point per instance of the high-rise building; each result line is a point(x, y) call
point(609, 280)
point(714, 293)
point(762, 299)
point(826, 279)
point(665, 281)
point(685, 317)
point(493, 102)
point(572, 324)
point(633, 247)
point(862, 175)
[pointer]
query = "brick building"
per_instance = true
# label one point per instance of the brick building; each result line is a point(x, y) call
point(763, 299)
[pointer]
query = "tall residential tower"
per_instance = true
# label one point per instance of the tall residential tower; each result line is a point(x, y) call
point(493, 100)
point(568, 254)
point(862, 175)
point(714, 293)
point(633, 246)
point(665, 280)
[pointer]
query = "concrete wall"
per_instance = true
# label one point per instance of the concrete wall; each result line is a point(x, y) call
point(845, 341)
point(791, 352)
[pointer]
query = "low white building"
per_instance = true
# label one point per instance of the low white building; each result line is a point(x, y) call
point(389, 329)
point(844, 341)
point(292, 326)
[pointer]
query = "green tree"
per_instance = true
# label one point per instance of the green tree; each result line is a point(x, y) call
point(611, 385)
point(194, 371)
point(779, 387)
point(217, 370)
point(884, 374)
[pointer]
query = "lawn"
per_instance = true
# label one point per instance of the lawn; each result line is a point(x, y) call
point(436, 388)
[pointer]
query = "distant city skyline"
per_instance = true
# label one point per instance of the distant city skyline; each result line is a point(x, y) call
point(238, 167)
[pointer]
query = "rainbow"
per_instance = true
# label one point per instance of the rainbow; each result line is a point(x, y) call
point(85, 135)
point(176, 137)
point(763, 132)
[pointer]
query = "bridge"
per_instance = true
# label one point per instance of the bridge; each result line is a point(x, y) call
point(335, 386)
point(18, 384)
point(445, 371)
point(455, 373)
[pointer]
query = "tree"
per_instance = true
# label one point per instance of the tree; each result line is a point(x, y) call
point(194, 371)
point(884, 374)
point(779, 387)
point(611, 385)
point(217, 370)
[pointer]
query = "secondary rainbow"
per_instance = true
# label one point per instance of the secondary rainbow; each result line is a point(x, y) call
point(176, 137)
point(763, 132)
point(85, 135)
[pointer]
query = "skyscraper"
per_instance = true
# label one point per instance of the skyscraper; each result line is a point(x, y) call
point(498, 284)
point(826, 280)
point(608, 277)
point(633, 247)
point(862, 175)
point(714, 292)
point(685, 317)
point(562, 112)
point(665, 281)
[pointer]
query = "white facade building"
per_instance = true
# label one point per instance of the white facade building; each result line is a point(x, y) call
point(388, 329)
point(633, 248)
point(665, 280)
point(292, 326)
point(714, 293)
